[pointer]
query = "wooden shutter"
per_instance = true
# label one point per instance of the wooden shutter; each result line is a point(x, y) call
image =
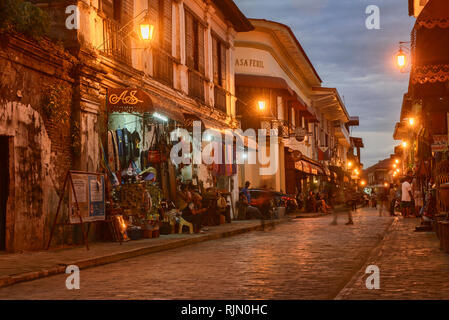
point(153, 8)
point(167, 25)
point(223, 65)
point(119, 7)
point(107, 7)
point(200, 50)
point(215, 52)
point(190, 52)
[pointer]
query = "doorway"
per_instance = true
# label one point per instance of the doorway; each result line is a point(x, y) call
point(4, 187)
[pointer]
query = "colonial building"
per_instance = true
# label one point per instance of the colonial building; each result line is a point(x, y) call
point(175, 56)
point(278, 88)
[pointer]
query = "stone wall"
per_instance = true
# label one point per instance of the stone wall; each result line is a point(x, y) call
point(36, 102)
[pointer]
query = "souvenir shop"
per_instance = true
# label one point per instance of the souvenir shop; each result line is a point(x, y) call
point(143, 181)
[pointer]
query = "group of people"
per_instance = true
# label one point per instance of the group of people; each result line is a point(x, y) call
point(319, 202)
point(406, 198)
point(190, 203)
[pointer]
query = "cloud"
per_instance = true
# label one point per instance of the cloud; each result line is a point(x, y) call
point(355, 60)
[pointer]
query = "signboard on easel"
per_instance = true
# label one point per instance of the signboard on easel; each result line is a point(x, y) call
point(89, 189)
point(86, 200)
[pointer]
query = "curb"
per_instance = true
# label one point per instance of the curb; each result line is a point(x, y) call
point(373, 253)
point(102, 260)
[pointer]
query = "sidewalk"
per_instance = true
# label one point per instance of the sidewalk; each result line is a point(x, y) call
point(20, 267)
point(411, 266)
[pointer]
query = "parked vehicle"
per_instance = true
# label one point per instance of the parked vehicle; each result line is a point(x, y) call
point(266, 201)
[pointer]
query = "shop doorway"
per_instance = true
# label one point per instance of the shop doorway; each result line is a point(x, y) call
point(4, 187)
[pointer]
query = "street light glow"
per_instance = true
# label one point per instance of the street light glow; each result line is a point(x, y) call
point(411, 121)
point(261, 104)
point(146, 31)
point(401, 60)
point(404, 144)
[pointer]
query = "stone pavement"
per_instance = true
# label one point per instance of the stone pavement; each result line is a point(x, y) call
point(299, 259)
point(28, 266)
point(411, 266)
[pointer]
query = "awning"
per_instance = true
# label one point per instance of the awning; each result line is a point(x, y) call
point(434, 14)
point(246, 80)
point(308, 167)
point(429, 39)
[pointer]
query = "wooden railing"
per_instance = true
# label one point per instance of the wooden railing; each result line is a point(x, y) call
point(196, 85)
point(220, 98)
point(115, 42)
point(284, 130)
point(163, 67)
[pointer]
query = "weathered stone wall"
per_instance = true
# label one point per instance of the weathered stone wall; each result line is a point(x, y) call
point(31, 76)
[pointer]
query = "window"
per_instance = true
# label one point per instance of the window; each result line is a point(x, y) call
point(161, 11)
point(219, 61)
point(112, 9)
point(194, 43)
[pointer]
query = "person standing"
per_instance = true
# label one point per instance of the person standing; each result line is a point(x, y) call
point(382, 201)
point(406, 198)
point(351, 202)
point(392, 198)
point(245, 191)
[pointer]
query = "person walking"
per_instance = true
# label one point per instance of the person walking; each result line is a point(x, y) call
point(382, 201)
point(407, 196)
point(351, 202)
point(392, 198)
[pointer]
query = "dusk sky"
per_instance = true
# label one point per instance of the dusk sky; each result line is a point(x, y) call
point(348, 56)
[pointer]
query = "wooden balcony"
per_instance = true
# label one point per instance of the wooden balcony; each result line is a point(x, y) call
point(220, 98)
point(163, 67)
point(196, 85)
point(282, 128)
point(115, 42)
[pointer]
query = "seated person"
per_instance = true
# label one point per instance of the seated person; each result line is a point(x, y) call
point(242, 206)
point(194, 213)
point(183, 197)
point(223, 208)
point(311, 202)
point(322, 205)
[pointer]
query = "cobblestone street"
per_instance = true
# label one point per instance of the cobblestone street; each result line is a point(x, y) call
point(302, 259)
point(411, 267)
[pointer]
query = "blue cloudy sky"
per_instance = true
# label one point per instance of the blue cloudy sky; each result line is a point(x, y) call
point(348, 56)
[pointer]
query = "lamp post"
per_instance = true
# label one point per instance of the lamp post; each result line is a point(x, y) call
point(401, 58)
point(146, 29)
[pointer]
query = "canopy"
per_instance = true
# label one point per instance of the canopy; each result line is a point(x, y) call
point(434, 14)
point(430, 40)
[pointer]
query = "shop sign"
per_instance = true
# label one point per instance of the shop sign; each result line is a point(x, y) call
point(252, 63)
point(128, 100)
point(440, 142)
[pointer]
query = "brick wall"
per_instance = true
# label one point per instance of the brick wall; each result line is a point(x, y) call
point(42, 145)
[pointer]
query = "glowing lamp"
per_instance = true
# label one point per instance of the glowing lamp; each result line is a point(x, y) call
point(261, 105)
point(401, 59)
point(147, 31)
